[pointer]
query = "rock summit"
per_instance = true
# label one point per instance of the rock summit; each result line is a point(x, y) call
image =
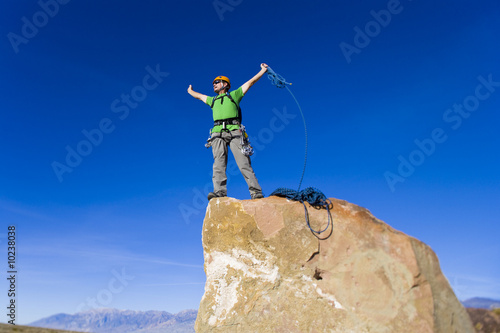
point(267, 272)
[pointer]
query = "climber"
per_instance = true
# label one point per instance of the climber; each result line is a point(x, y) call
point(227, 131)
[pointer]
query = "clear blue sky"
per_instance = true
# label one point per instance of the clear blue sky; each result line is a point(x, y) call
point(401, 100)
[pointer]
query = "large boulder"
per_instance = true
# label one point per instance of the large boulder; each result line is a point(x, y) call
point(268, 272)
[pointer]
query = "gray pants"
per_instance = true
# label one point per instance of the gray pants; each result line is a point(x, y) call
point(220, 141)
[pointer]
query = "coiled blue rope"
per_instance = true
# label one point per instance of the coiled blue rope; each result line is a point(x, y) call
point(276, 79)
point(314, 197)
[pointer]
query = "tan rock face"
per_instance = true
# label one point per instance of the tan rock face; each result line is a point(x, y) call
point(267, 272)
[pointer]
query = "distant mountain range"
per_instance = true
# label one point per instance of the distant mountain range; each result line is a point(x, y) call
point(481, 303)
point(127, 321)
point(121, 321)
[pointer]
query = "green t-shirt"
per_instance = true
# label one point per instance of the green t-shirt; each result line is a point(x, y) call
point(224, 109)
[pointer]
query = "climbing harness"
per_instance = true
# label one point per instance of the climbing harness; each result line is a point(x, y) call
point(246, 148)
point(227, 121)
point(312, 195)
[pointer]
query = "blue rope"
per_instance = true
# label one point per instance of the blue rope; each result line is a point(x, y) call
point(280, 82)
point(276, 79)
point(313, 196)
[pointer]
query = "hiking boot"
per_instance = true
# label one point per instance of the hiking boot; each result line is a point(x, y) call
point(212, 195)
point(258, 195)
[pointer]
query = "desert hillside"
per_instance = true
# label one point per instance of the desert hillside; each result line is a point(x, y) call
point(7, 328)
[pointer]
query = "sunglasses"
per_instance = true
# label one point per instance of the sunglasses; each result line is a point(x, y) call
point(217, 81)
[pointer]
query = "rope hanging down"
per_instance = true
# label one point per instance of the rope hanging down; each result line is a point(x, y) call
point(312, 195)
point(280, 82)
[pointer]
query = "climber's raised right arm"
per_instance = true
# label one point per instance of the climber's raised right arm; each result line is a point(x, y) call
point(197, 95)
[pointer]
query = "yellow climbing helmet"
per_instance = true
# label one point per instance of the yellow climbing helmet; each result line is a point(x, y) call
point(223, 78)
